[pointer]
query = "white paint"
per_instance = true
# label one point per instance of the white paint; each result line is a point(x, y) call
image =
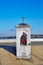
point(23, 51)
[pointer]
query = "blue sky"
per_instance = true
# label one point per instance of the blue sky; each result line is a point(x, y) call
point(11, 12)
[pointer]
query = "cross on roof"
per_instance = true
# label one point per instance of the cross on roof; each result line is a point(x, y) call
point(23, 19)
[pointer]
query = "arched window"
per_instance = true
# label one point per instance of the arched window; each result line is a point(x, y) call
point(23, 39)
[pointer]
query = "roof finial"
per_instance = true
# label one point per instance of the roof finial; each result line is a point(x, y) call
point(23, 19)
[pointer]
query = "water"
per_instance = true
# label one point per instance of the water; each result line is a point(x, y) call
point(11, 49)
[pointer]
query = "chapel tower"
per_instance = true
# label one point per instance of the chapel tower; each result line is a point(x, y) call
point(23, 40)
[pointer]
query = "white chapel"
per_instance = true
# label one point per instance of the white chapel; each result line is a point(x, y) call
point(23, 41)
